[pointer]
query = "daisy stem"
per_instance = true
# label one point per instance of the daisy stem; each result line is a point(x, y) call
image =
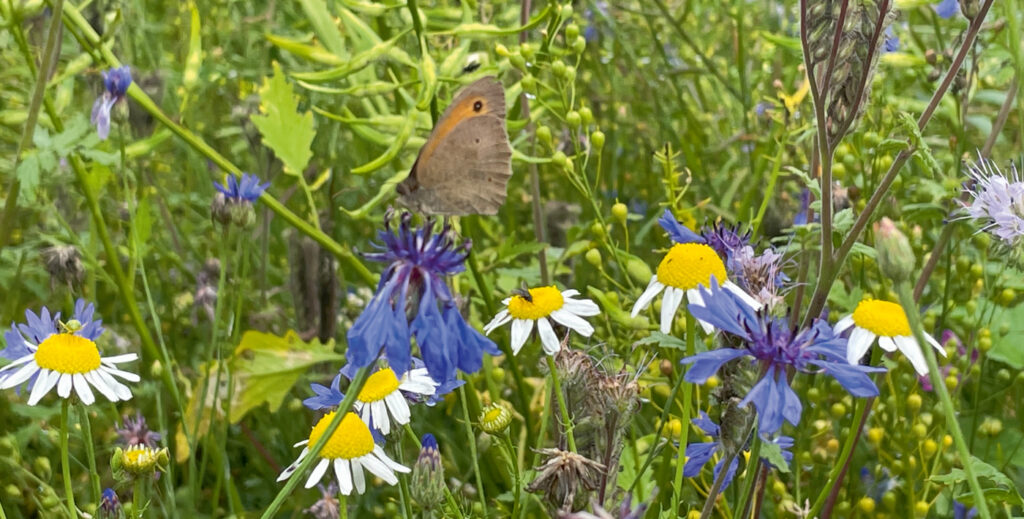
point(684, 430)
point(314, 451)
point(910, 308)
point(472, 448)
point(403, 486)
point(510, 453)
point(566, 420)
point(65, 463)
point(342, 506)
point(137, 497)
point(90, 452)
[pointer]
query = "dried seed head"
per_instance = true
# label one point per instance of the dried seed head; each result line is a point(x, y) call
point(563, 476)
point(64, 264)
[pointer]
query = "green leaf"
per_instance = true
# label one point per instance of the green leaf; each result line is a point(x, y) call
point(265, 367)
point(996, 486)
point(28, 175)
point(284, 130)
point(773, 453)
point(663, 340)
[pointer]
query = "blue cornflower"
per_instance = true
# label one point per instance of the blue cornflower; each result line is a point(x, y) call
point(727, 240)
point(946, 8)
point(698, 454)
point(960, 511)
point(248, 188)
point(412, 300)
point(67, 358)
point(774, 347)
point(115, 83)
point(892, 42)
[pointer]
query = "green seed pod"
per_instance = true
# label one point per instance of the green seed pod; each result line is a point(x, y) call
point(597, 139)
point(593, 257)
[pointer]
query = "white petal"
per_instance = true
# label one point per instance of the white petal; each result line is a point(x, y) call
point(379, 469)
point(22, 360)
point(652, 290)
point(938, 347)
point(394, 465)
point(24, 373)
point(82, 388)
point(570, 320)
point(843, 324)
point(694, 297)
point(548, 339)
point(318, 472)
point(500, 319)
point(121, 390)
point(584, 307)
point(569, 293)
point(64, 385)
point(521, 329)
point(357, 475)
point(886, 343)
point(399, 407)
point(97, 382)
point(343, 471)
point(380, 416)
point(747, 298)
point(669, 304)
point(130, 377)
point(44, 383)
point(859, 344)
point(913, 352)
point(117, 359)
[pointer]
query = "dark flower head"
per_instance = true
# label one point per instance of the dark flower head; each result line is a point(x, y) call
point(328, 506)
point(564, 475)
point(725, 239)
point(115, 83)
point(412, 300)
point(773, 347)
point(135, 431)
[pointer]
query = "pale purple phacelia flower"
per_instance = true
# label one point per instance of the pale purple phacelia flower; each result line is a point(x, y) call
point(997, 201)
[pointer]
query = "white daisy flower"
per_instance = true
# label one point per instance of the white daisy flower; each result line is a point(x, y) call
point(67, 359)
point(542, 305)
point(888, 322)
point(381, 396)
point(349, 450)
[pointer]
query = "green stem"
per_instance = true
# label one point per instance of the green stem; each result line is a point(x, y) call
point(684, 430)
point(657, 434)
point(403, 486)
point(753, 466)
point(716, 487)
point(75, 21)
point(566, 420)
point(342, 506)
point(49, 54)
point(939, 385)
point(510, 453)
point(90, 451)
point(65, 463)
point(137, 496)
point(314, 451)
point(468, 422)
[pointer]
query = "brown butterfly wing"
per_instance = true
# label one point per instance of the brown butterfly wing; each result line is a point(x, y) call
point(465, 166)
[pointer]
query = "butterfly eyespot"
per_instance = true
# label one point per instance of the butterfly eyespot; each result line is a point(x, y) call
point(478, 141)
point(477, 106)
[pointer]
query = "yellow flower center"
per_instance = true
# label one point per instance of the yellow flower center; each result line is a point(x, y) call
point(545, 301)
point(139, 458)
point(881, 318)
point(351, 440)
point(492, 415)
point(68, 353)
point(688, 265)
point(378, 386)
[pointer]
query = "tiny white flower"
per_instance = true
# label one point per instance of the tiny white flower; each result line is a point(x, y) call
point(544, 305)
point(887, 322)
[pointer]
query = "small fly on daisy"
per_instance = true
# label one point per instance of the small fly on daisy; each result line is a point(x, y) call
point(48, 353)
point(349, 450)
point(689, 264)
point(886, 321)
point(543, 305)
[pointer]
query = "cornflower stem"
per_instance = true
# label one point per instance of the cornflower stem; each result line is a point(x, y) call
point(471, 438)
point(824, 284)
point(90, 450)
point(314, 452)
point(716, 487)
point(48, 57)
point(65, 462)
point(137, 496)
point(753, 469)
point(939, 385)
point(684, 430)
point(556, 383)
point(92, 43)
point(403, 486)
point(835, 477)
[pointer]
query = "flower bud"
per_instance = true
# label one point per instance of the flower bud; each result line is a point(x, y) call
point(895, 256)
point(220, 211)
point(427, 483)
point(110, 506)
point(495, 418)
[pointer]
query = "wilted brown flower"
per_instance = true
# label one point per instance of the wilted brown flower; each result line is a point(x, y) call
point(64, 264)
point(563, 475)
